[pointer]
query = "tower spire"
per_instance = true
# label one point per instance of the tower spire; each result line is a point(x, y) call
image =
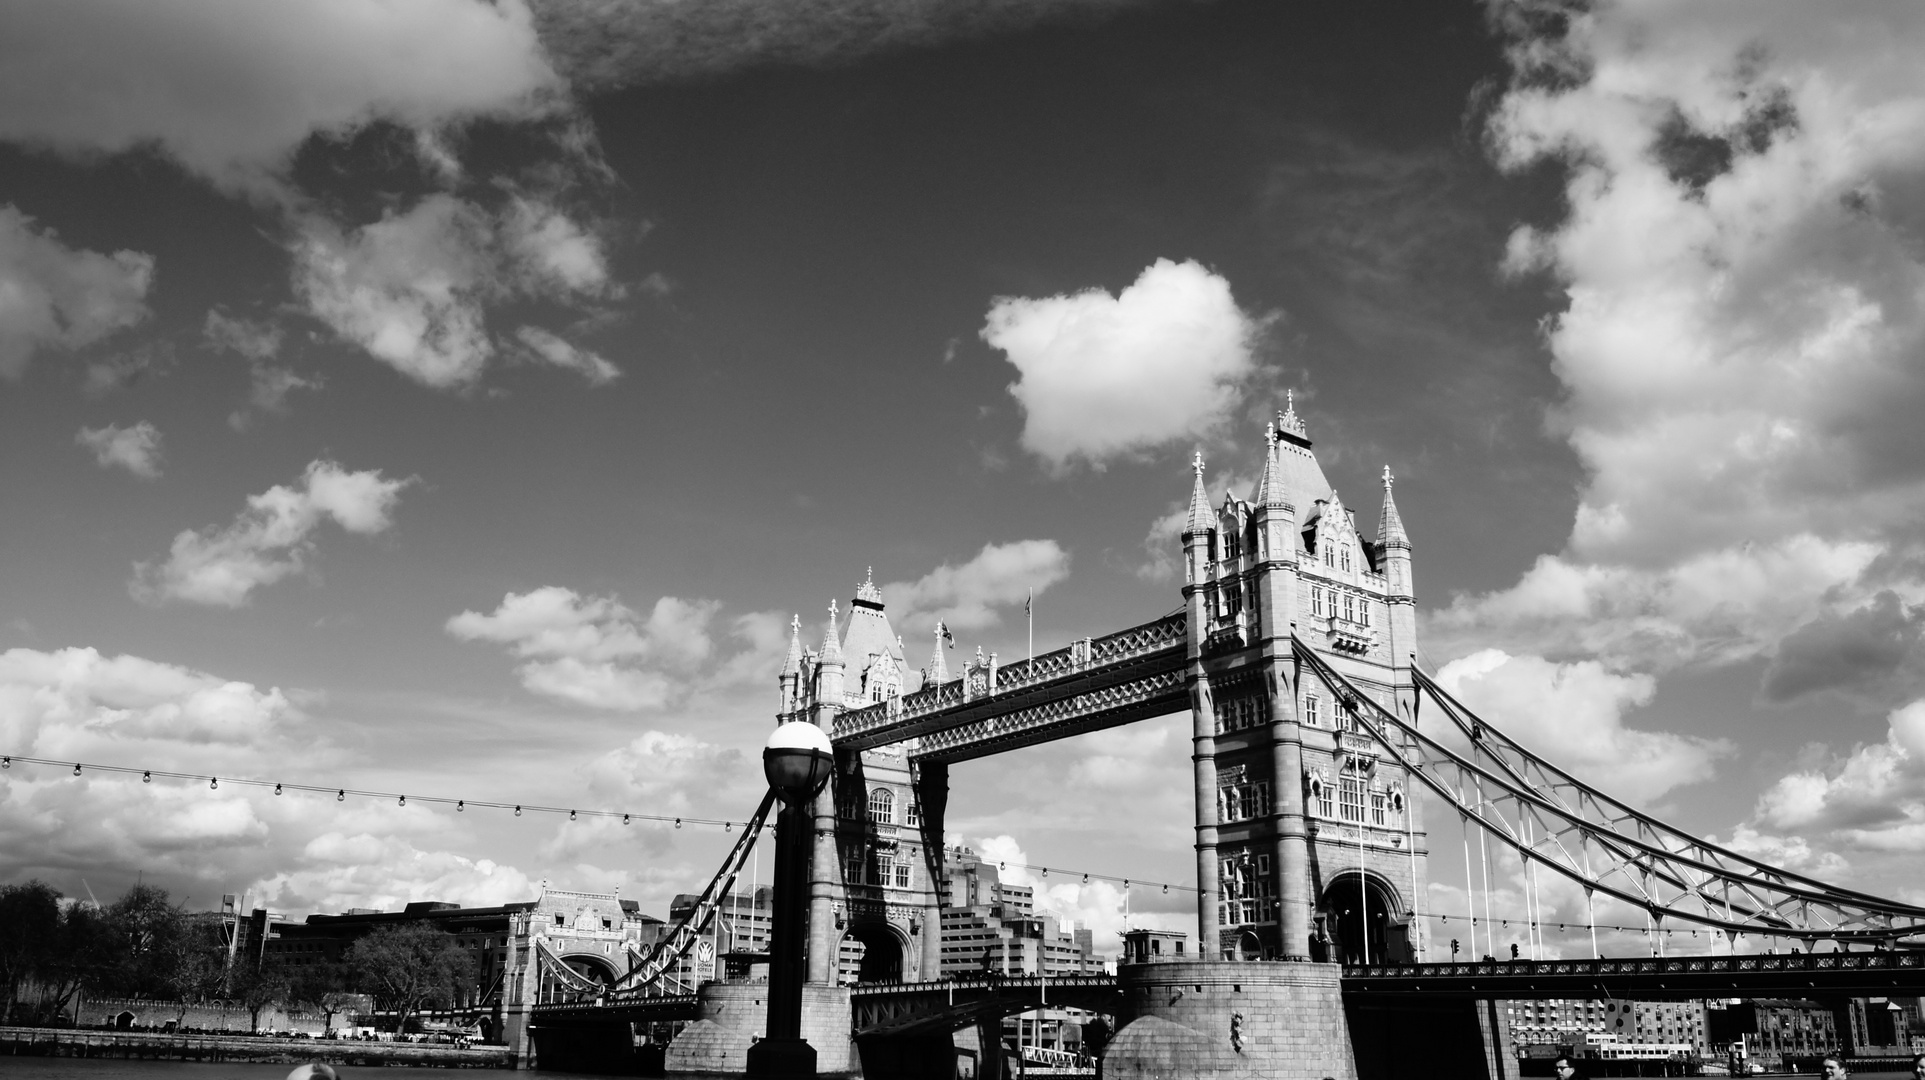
point(1288, 422)
point(831, 639)
point(1200, 516)
point(1390, 529)
point(792, 663)
point(1270, 488)
point(938, 664)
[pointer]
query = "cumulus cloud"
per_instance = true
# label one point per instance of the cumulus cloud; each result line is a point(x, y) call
point(259, 343)
point(1745, 185)
point(1872, 799)
point(599, 652)
point(221, 566)
point(412, 288)
point(136, 448)
point(1102, 377)
point(546, 348)
point(967, 596)
point(1724, 605)
point(1574, 713)
point(55, 297)
point(1858, 650)
point(230, 88)
point(337, 871)
point(609, 45)
point(1097, 905)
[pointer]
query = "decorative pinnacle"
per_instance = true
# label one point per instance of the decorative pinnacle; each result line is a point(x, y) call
point(867, 591)
point(1200, 517)
point(1390, 528)
point(1288, 420)
point(1270, 486)
point(792, 664)
point(831, 647)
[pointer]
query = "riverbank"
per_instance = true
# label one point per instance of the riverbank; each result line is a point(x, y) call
point(163, 1046)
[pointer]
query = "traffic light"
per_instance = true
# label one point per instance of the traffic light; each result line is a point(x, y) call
point(1513, 950)
point(1453, 948)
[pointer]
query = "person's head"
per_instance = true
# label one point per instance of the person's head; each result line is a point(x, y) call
point(1918, 1065)
point(1832, 1067)
point(1563, 1069)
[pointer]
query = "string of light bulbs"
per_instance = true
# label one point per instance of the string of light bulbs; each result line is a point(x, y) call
point(1467, 920)
point(340, 793)
point(80, 768)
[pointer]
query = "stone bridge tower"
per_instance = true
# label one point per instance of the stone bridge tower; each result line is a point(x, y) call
point(874, 881)
point(1308, 840)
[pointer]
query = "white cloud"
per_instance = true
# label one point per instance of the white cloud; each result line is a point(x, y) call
point(230, 88)
point(966, 597)
point(1102, 377)
point(549, 349)
point(1873, 799)
point(1573, 713)
point(1723, 605)
point(1794, 853)
point(1097, 905)
point(52, 296)
point(336, 871)
point(259, 343)
point(270, 540)
point(1163, 544)
point(599, 652)
point(136, 448)
point(1742, 309)
point(412, 288)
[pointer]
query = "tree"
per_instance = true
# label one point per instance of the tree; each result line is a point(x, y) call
point(29, 932)
point(146, 928)
point(86, 956)
point(323, 986)
point(409, 966)
point(259, 987)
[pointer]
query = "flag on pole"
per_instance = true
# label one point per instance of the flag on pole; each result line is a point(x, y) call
point(948, 638)
point(1028, 600)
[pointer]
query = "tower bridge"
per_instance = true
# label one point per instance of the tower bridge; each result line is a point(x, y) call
point(1293, 654)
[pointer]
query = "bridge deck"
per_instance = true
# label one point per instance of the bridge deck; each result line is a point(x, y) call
point(637, 1008)
point(1791, 974)
point(951, 1004)
point(1101, 682)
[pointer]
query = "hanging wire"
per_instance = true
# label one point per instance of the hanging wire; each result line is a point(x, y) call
point(341, 793)
point(461, 804)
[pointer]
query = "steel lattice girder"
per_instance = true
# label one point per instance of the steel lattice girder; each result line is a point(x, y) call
point(683, 935)
point(1084, 667)
point(1697, 885)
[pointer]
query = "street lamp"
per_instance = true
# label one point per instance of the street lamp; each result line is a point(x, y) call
point(797, 762)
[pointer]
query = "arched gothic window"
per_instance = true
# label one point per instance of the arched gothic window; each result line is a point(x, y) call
point(882, 806)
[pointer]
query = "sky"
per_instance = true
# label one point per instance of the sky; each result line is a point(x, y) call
point(460, 399)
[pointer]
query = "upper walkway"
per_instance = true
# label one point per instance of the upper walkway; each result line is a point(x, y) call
point(1094, 683)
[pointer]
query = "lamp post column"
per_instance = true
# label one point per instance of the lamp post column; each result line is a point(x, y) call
point(797, 762)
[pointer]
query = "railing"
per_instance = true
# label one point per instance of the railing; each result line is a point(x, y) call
point(987, 982)
point(1773, 963)
point(1078, 657)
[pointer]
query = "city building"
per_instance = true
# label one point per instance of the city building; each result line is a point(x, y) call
point(992, 926)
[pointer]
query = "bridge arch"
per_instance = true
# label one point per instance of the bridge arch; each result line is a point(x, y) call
point(591, 966)
point(884, 949)
point(1353, 913)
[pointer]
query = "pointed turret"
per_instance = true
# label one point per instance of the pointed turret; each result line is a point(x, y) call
point(1390, 529)
point(938, 664)
point(1200, 515)
point(791, 677)
point(1270, 491)
point(832, 638)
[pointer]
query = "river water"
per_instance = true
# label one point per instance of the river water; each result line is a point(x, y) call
point(53, 1068)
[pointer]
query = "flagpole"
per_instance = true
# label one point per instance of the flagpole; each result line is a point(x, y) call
point(1030, 617)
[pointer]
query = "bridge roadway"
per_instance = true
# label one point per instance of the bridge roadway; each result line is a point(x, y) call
point(950, 1004)
point(1839, 974)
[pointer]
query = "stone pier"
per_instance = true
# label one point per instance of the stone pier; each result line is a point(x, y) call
point(1281, 1019)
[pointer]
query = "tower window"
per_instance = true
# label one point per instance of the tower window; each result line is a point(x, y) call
point(1316, 600)
point(912, 812)
point(882, 806)
point(1313, 710)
